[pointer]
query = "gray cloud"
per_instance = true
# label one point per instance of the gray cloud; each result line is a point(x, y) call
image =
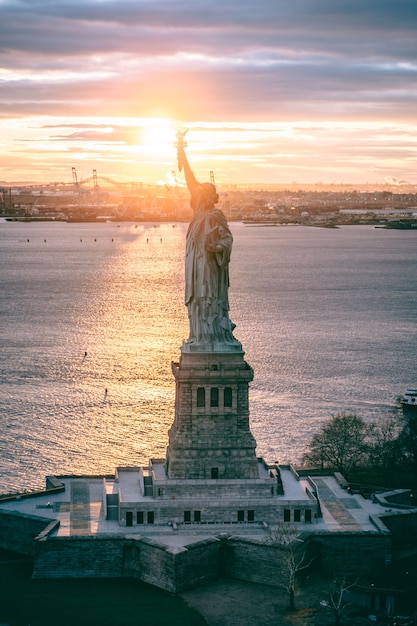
point(208, 60)
point(300, 25)
point(374, 13)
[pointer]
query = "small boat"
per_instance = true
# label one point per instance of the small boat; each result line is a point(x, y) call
point(408, 401)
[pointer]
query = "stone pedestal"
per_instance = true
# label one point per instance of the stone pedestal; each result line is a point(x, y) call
point(210, 437)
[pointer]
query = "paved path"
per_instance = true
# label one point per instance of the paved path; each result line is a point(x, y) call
point(80, 508)
point(338, 507)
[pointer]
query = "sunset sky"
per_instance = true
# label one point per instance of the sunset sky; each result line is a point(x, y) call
point(272, 91)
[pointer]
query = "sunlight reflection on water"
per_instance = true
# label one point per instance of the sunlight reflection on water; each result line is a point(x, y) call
point(326, 317)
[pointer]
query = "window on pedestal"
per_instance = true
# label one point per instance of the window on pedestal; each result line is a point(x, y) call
point(228, 397)
point(251, 516)
point(201, 397)
point(197, 516)
point(139, 517)
point(297, 515)
point(151, 517)
point(241, 516)
point(214, 397)
point(187, 517)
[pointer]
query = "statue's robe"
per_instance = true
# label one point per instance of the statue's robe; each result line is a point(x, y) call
point(207, 278)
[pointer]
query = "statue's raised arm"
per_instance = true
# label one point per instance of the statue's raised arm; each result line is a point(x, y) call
point(196, 189)
point(183, 164)
point(208, 248)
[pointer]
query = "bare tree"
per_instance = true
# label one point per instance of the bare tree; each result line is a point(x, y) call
point(337, 598)
point(408, 441)
point(342, 443)
point(285, 539)
point(384, 450)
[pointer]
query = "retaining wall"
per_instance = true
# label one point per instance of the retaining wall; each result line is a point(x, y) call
point(171, 568)
point(18, 531)
point(350, 552)
point(176, 568)
point(82, 557)
point(257, 562)
point(403, 527)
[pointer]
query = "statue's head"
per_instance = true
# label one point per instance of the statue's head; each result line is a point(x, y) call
point(204, 196)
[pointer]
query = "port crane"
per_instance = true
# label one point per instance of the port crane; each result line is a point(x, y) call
point(77, 186)
point(5, 200)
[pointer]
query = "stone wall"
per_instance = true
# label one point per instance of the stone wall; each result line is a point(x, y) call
point(171, 568)
point(257, 562)
point(403, 527)
point(176, 568)
point(216, 511)
point(199, 564)
point(217, 489)
point(157, 565)
point(329, 553)
point(83, 557)
point(211, 438)
point(18, 531)
point(350, 552)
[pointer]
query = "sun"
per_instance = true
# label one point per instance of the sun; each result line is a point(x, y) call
point(156, 135)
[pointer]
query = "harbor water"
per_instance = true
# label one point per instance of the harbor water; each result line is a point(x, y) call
point(92, 316)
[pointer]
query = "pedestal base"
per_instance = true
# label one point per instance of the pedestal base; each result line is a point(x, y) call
point(210, 437)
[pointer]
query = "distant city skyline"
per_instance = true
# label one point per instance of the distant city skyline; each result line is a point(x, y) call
point(272, 92)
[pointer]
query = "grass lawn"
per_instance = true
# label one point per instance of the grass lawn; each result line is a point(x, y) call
point(84, 602)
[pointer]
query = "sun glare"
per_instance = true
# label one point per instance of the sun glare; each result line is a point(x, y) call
point(156, 135)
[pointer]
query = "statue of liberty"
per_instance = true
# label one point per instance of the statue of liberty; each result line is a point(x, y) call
point(208, 248)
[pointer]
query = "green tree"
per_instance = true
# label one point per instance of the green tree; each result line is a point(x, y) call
point(342, 443)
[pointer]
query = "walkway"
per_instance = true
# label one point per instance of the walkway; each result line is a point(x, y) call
point(80, 508)
point(336, 506)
